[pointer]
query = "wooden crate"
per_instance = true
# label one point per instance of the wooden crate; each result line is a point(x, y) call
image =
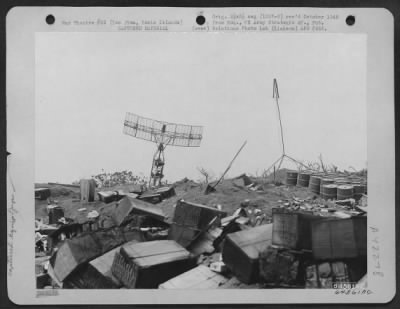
point(201, 277)
point(96, 274)
point(292, 230)
point(42, 193)
point(84, 248)
point(74, 252)
point(148, 264)
point(128, 206)
point(339, 238)
point(153, 198)
point(166, 192)
point(107, 196)
point(190, 219)
point(241, 250)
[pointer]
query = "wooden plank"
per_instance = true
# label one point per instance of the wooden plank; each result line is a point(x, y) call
point(197, 278)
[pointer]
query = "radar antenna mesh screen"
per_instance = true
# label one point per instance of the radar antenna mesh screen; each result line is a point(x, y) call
point(162, 132)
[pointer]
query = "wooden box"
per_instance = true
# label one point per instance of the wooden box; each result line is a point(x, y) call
point(153, 198)
point(241, 250)
point(96, 274)
point(292, 230)
point(166, 192)
point(74, 252)
point(42, 193)
point(148, 264)
point(190, 219)
point(128, 206)
point(339, 238)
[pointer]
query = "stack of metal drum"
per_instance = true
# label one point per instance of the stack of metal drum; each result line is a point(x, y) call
point(328, 186)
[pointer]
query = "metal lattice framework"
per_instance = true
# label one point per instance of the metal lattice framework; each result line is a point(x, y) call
point(162, 133)
point(275, 95)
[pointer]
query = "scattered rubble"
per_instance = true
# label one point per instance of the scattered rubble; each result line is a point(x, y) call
point(248, 232)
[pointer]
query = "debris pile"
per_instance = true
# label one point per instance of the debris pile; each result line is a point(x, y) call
point(117, 178)
point(247, 233)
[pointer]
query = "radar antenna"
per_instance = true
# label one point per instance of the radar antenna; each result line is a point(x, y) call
point(162, 134)
point(275, 95)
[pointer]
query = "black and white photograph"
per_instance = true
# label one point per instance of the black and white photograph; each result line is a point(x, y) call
point(230, 155)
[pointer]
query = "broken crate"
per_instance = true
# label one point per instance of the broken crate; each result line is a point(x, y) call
point(190, 219)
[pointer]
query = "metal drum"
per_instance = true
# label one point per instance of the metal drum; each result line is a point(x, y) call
point(291, 178)
point(303, 180)
point(340, 181)
point(314, 185)
point(345, 192)
point(325, 181)
point(329, 191)
point(359, 190)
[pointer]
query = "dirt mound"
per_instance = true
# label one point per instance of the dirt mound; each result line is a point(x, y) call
point(58, 191)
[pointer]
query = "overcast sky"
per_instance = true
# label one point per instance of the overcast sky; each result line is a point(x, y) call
point(86, 82)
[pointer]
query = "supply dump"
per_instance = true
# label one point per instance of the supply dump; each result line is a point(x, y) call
point(303, 228)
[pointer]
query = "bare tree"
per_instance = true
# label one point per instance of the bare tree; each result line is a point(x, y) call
point(205, 173)
point(323, 166)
